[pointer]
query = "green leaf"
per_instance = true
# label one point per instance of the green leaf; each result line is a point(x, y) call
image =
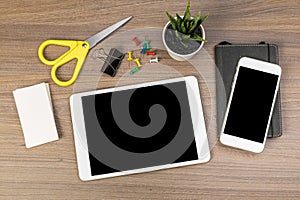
point(179, 20)
point(191, 24)
point(177, 35)
point(172, 21)
point(187, 13)
point(197, 38)
point(178, 17)
point(181, 38)
point(184, 44)
point(188, 23)
point(195, 25)
point(186, 37)
point(183, 28)
point(203, 19)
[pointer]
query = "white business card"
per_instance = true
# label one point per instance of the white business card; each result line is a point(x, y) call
point(36, 114)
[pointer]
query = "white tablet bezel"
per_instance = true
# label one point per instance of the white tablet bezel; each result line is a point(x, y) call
point(238, 142)
point(197, 121)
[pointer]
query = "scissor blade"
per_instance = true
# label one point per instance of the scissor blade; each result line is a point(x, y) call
point(106, 32)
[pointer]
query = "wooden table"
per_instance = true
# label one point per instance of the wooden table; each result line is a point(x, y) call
point(50, 171)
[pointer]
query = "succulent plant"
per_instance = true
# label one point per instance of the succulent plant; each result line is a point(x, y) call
point(187, 25)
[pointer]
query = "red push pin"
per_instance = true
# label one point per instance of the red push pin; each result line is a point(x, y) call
point(150, 53)
point(137, 42)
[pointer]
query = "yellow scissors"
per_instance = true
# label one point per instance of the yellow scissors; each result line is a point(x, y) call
point(78, 50)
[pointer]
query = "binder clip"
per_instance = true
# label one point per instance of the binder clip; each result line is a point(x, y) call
point(111, 61)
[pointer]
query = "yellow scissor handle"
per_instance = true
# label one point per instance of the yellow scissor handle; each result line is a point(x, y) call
point(78, 50)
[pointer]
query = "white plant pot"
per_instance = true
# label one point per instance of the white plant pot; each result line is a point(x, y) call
point(177, 56)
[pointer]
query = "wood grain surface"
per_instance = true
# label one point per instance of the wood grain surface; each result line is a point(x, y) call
point(50, 171)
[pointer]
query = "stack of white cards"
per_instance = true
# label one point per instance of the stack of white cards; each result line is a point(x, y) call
point(36, 114)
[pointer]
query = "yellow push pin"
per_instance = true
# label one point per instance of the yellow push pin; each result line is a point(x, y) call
point(129, 58)
point(137, 61)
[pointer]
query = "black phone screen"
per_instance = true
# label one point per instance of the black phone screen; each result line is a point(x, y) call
point(251, 104)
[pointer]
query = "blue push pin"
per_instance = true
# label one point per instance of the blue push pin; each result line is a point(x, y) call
point(143, 51)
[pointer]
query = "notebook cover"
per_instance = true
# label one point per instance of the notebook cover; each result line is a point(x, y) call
point(227, 56)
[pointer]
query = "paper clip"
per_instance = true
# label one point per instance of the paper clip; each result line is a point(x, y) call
point(147, 45)
point(153, 60)
point(137, 61)
point(137, 42)
point(134, 70)
point(150, 53)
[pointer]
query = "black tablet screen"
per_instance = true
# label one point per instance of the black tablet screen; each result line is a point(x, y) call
point(138, 128)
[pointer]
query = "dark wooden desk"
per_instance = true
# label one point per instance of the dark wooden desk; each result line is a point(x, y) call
point(50, 171)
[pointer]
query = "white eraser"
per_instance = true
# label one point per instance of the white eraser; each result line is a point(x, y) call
point(36, 114)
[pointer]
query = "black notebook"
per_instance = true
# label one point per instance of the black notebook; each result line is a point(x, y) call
point(227, 56)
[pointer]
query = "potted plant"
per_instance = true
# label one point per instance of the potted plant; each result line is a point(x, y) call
point(184, 36)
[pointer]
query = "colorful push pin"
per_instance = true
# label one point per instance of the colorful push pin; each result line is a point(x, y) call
point(150, 53)
point(147, 45)
point(137, 61)
point(143, 51)
point(154, 60)
point(129, 57)
point(134, 70)
point(137, 42)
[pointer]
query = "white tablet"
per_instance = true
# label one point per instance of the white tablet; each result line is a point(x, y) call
point(139, 128)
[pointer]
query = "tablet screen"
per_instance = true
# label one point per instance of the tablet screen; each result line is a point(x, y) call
point(138, 128)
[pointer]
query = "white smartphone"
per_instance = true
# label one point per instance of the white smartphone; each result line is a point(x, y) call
point(250, 105)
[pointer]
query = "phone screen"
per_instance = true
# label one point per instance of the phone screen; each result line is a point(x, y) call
point(251, 104)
